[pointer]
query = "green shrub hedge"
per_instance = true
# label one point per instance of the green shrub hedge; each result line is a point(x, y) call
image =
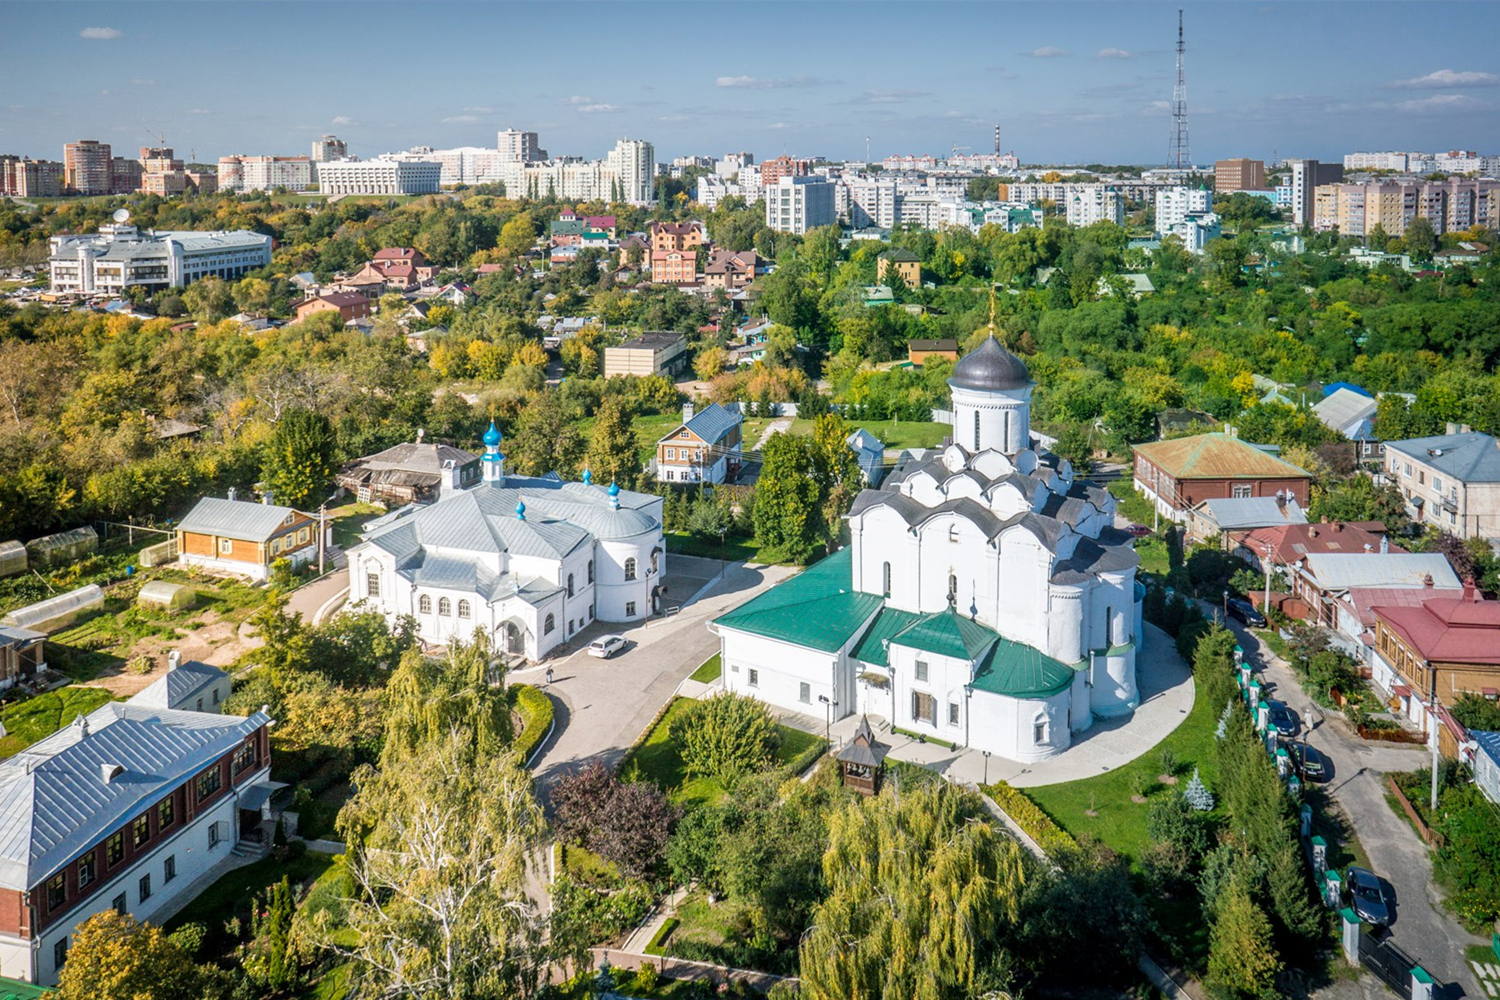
point(658, 940)
point(535, 710)
point(1029, 817)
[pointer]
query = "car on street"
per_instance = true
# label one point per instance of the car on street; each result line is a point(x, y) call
point(1283, 718)
point(1309, 762)
point(606, 646)
point(1247, 613)
point(1138, 530)
point(1370, 895)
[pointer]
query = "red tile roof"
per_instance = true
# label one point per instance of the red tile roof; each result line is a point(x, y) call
point(411, 254)
point(1448, 629)
point(1290, 542)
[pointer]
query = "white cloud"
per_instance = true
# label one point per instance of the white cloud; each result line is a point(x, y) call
point(778, 125)
point(101, 34)
point(342, 120)
point(1113, 53)
point(598, 109)
point(1448, 78)
point(888, 96)
point(1439, 103)
point(197, 111)
point(143, 83)
point(481, 111)
point(768, 83)
point(1047, 52)
point(1001, 72)
point(1155, 108)
point(459, 120)
point(675, 118)
point(575, 99)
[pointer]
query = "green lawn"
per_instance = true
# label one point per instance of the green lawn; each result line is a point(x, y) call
point(347, 519)
point(658, 759)
point(1153, 553)
point(233, 895)
point(30, 720)
point(908, 433)
point(1132, 505)
point(1119, 822)
point(710, 671)
point(737, 549)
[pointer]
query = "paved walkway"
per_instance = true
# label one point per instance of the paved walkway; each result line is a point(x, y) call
point(774, 427)
point(1166, 687)
point(601, 706)
point(1423, 928)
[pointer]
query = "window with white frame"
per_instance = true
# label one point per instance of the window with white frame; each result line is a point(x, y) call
point(463, 608)
point(804, 692)
point(953, 714)
point(752, 677)
point(922, 671)
point(445, 606)
point(1241, 491)
point(424, 604)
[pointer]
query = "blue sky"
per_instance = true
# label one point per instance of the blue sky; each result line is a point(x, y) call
point(1066, 82)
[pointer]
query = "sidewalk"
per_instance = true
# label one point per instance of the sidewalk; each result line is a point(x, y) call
point(1423, 928)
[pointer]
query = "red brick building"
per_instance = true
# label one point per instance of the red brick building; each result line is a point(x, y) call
point(1179, 474)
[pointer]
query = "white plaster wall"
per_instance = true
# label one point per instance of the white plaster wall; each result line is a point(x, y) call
point(612, 591)
point(1115, 691)
point(1068, 606)
point(194, 858)
point(1004, 725)
point(1004, 419)
point(782, 668)
point(947, 683)
point(1080, 696)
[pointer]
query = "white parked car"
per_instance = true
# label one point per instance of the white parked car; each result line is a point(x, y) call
point(606, 646)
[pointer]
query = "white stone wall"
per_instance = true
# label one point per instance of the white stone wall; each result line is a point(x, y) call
point(780, 670)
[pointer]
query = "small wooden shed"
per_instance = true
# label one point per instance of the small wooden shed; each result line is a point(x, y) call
point(863, 760)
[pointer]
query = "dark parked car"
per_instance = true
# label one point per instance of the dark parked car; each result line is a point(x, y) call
point(1370, 895)
point(1284, 719)
point(1138, 530)
point(1309, 762)
point(1245, 612)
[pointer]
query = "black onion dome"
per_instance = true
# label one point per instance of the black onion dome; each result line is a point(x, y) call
point(990, 368)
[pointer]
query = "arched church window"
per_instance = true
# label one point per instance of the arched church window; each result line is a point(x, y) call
point(570, 584)
point(952, 589)
point(630, 568)
point(591, 571)
point(424, 604)
point(445, 606)
point(463, 609)
point(1039, 730)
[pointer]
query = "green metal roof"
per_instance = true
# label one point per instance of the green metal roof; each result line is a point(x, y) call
point(14, 989)
point(947, 633)
point(1018, 670)
point(817, 608)
point(887, 625)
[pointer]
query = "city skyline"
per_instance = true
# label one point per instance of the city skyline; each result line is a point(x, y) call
point(1092, 86)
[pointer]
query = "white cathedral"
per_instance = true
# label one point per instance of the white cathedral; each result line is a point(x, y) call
point(529, 561)
point(985, 599)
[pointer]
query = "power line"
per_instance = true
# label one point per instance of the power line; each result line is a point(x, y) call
point(1179, 155)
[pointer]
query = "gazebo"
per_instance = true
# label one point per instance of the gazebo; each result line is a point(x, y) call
point(863, 760)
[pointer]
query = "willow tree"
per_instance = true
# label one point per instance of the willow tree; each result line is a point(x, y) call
point(429, 698)
point(920, 890)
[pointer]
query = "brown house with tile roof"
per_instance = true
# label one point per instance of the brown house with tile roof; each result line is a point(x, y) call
point(397, 267)
point(1178, 475)
point(731, 269)
point(349, 305)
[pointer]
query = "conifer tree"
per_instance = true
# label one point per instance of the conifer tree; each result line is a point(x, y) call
point(1242, 963)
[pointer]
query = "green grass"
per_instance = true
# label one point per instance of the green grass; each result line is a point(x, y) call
point(347, 519)
point(923, 738)
point(1153, 553)
point(1482, 953)
point(1273, 639)
point(30, 720)
point(711, 670)
point(1119, 822)
point(1132, 505)
point(588, 867)
point(908, 433)
point(234, 894)
point(658, 940)
point(704, 922)
point(658, 759)
point(735, 549)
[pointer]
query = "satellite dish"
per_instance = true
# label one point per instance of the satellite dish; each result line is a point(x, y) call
point(122, 215)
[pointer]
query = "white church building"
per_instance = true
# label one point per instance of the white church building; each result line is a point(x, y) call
point(530, 561)
point(985, 599)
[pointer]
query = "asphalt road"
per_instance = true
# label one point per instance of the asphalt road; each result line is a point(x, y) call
point(1422, 929)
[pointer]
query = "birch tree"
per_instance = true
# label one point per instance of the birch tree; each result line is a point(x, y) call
point(439, 849)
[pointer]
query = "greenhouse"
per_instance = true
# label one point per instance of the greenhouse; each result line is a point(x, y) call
point(170, 596)
point(62, 548)
point(157, 555)
point(12, 558)
point(55, 612)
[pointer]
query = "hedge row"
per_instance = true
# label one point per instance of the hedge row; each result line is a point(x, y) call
point(658, 943)
point(1050, 837)
point(535, 710)
point(806, 759)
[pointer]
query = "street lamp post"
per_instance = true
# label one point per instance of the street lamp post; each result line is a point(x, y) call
point(986, 766)
point(1265, 608)
point(828, 707)
point(1226, 607)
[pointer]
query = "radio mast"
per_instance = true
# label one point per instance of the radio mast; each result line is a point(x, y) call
point(1179, 155)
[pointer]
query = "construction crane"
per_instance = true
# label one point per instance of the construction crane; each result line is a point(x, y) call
point(957, 149)
point(159, 137)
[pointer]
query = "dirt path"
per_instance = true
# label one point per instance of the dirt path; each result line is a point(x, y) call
point(776, 426)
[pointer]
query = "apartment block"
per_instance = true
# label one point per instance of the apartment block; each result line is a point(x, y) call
point(1307, 177)
point(772, 171)
point(798, 204)
point(1175, 204)
point(1239, 174)
point(265, 173)
point(1451, 206)
point(86, 167)
point(25, 178)
point(380, 177)
point(329, 147)
point(1087, 204)
point(519, 147)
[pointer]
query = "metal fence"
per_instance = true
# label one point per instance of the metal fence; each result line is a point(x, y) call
point(1390, 964)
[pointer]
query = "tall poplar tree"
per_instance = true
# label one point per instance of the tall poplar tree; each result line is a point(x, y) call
point(614, 453)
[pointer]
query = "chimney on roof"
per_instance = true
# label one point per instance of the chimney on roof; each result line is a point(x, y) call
point(1385, 544)
point(233, 494)
point(174, 660)
point(420, 433)
point(81, 723)
point(1312, 532)
point(1469, 590)
point(1338, 526)
point(1465, 429)
point(1426, 579)
point(687, 411)
point(1452, 428)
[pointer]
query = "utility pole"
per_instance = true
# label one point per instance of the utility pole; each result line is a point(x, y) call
point(1265, 608)
point(1179, 156)
point(1432, 731)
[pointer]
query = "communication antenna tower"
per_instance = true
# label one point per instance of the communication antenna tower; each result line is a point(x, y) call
point(997, 140)
point(1180, 156)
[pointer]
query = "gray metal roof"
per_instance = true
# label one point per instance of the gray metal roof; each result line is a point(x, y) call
point(178, 686)
point(14, 637)
point(1235, 513)
point(1470, 457)
point(1344, 410)
point(1346, 570)
point(240, 519)
point(712, 423)
point(55, 801)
